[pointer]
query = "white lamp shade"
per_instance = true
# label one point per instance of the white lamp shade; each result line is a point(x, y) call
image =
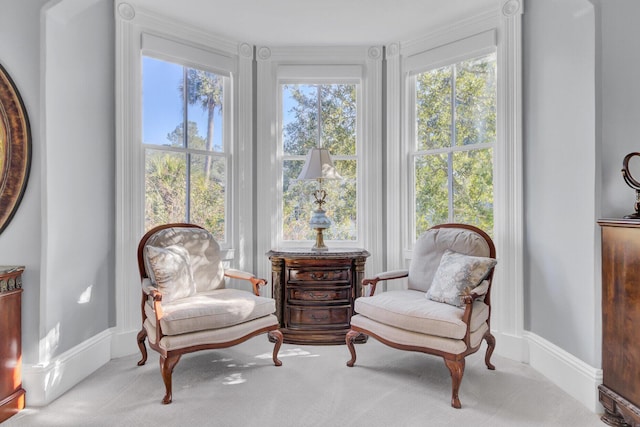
point(318, 165)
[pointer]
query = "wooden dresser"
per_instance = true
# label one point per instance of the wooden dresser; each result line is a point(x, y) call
point(620, 390)
point(11, 391)
point(315, 291)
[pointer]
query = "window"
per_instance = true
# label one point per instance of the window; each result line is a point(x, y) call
point(455, 138)
point(186, 155)
point(319, 115)
point(323, 97)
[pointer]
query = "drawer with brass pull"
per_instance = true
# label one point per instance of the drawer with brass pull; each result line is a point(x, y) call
point(306, 295)
point(318, 275)
point(310, 317)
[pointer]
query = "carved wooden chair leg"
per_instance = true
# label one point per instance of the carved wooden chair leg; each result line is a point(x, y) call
point(456, 367)
point(491, 344)
point(277, 337)
point(166, 369)
point(142, 335)
point(349, 339)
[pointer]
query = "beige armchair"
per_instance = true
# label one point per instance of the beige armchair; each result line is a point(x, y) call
point(446, 308)
point(185, 304)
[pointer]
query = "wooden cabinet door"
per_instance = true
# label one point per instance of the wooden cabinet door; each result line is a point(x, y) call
point(621, 310)
point(11, 391)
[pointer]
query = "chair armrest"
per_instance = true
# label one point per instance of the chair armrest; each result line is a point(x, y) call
point(149, 290)
point(393, 274)
point(467, 299)
point(243, 275)
point(476, 293)
point(481, 289)
point(387, 275)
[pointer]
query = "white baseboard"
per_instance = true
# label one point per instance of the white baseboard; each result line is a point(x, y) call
point(124, 343)
point(511, 346)
point(46, 382)
point(575, 377)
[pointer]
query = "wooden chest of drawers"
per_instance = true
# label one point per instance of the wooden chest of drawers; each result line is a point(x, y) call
point(620, 390)
point(314, 292)
point(11, 391)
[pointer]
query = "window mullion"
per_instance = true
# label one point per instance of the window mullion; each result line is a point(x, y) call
point(319, 106)
point(453, 142)
point(470, 147)
point(185, 144)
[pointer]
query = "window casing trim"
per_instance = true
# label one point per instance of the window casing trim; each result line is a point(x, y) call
point(185, 54)
point(452, 53)
point(449, 55)
point(358, 157)
point(505, 21)
point(361, 65)
point(235, 61)
point(227, 129)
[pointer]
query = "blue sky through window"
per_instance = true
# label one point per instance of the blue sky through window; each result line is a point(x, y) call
point(162, 104)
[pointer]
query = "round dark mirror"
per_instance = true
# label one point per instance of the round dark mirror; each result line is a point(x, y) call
point(15, 148)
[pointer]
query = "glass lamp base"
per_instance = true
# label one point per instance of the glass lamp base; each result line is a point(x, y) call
point(319, 222)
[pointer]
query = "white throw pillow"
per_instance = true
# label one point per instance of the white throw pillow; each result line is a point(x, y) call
point(458, 273)
point(170, 271)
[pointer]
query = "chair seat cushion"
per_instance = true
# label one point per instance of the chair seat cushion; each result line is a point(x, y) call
point(416, 340)
point(214, 337)
point(410, 310)
point(215, 309)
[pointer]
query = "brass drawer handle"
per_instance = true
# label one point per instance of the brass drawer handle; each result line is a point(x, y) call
point(315, 295)
point(321, 276)
point(319, 318)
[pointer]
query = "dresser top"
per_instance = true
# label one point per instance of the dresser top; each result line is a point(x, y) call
point(7, 269)
point(619, 222)
point(311, 254)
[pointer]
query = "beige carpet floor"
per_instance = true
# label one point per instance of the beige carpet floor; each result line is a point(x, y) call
point(241, 387)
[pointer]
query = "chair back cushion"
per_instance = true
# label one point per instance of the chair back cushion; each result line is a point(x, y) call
point(204, 255)
point(457, 275)
point(171, 272)
point(431, 246)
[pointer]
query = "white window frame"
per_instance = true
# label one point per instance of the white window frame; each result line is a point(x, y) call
point(281, 65)
point(140, 32)
point(312, 75)
point(450, 44)
point(227, 123)
point(451, 54)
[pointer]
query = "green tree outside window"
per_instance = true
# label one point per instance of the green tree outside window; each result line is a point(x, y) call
point(323, 115)
point(455, 139)
point(186, 175)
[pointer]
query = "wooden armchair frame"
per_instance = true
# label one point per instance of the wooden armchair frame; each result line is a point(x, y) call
point(169, 359)
point(455, 362)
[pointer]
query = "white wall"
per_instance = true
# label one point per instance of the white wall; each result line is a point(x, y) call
point(618, 86)
point(581, 119)
point(560, 279)
point(63, 230)
point(20, 242)
point(79, 195)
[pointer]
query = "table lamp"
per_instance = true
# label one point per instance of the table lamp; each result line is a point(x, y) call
point(319, 166)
